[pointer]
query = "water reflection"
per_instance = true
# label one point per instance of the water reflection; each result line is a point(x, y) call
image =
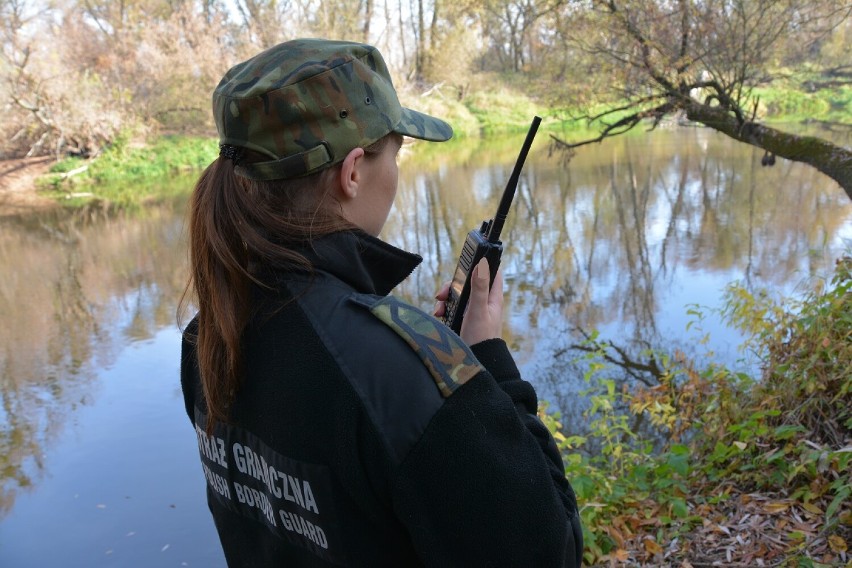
point(76, 288)
point(626, 237)
point(623, 240)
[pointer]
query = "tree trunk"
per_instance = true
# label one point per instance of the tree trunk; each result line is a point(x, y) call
point(420, 43)
point(368, 16)
point(830, 159)
point(402, 34)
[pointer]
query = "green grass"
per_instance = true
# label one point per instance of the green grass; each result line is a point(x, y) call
point(805, 93)
point(503, 111)
point(129, 174)
point(789, 105)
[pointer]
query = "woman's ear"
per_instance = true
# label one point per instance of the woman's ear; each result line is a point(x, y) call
point(350, 173)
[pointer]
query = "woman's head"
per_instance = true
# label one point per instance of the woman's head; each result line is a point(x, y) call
point(309, 131)
point(241, 221)
point(297, 112)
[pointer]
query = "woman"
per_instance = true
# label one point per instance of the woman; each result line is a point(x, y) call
point(336, 424)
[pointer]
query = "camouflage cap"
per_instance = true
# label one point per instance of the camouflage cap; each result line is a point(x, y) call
point(306, 103)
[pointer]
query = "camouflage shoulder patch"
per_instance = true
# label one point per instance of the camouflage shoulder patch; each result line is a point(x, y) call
point(450, 362)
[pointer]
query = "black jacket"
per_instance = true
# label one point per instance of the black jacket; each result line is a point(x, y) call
point(367, 434)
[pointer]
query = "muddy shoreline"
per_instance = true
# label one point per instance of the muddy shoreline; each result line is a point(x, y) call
point(18, 191)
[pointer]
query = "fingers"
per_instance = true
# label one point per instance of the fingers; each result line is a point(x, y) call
point(440, 308)
point(444, 291)
point(495, 294)
point(479, 291)
point(483, 318)
point(441, 297)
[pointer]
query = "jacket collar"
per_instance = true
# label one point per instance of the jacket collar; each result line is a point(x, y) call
point(366, 263)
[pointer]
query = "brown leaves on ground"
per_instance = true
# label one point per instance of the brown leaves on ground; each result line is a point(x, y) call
point(744, 529)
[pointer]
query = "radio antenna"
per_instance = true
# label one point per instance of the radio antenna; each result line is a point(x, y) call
point(496, 226)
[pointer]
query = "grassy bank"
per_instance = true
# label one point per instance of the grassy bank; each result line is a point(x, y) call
point(135, 170)
point(130, 172)
point(805, 94)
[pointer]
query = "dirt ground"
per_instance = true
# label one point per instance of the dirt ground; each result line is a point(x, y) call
point(17, 185)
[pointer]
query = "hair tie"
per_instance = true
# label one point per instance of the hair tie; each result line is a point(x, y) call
point(233, 153)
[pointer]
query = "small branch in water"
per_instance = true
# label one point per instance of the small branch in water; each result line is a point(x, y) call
point(74, 172)
point(639, 370)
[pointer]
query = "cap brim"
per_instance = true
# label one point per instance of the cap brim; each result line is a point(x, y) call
point(418, 125)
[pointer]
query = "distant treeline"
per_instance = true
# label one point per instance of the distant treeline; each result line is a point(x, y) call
point(76, 74)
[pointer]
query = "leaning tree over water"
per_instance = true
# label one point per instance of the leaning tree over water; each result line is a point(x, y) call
point(702, 59)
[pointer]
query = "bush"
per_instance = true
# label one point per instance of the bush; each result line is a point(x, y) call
point(666, 467)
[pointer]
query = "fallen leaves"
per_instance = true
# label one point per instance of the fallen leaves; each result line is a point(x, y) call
point(746, 529)
point(836, 543)
point(776, 507)
point(651, 547)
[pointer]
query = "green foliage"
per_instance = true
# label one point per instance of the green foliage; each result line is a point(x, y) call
point(68, 164)
point(168, 154)
point(804, 94)
point(130, 173)
point(808, 355)
point(712, 430)
point(502, 110)
point(787, 104)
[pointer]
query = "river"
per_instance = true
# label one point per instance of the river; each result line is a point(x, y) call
point(633, 238)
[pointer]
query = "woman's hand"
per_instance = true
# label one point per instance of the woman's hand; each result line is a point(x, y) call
point(483, 318)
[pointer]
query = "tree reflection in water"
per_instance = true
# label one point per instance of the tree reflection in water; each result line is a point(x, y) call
point(624, 240)
point(76, 288)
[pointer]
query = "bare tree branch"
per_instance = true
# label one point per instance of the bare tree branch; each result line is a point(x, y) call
point(637, 369)
point(618, 127)
point(704, 60)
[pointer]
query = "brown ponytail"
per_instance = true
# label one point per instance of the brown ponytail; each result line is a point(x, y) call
point(235, 223)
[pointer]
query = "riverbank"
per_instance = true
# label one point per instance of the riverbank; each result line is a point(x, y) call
point(18, 185)
point(136, 168)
